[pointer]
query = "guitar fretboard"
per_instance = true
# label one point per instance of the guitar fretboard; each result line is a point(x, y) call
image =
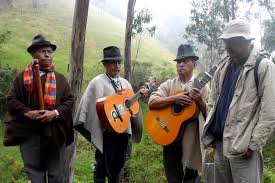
point(207, 76)
point(138, 95)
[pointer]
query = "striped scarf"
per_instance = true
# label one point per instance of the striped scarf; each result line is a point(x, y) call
point(50, 85)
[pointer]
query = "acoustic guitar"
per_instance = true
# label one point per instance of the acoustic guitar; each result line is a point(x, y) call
point(163, 125)
point(115, 111)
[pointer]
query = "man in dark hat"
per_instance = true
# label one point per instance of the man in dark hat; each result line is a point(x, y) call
point(44, 133)
point(110, 147)
point(185, 151)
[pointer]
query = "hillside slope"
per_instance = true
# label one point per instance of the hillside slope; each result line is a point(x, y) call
point(56, 24)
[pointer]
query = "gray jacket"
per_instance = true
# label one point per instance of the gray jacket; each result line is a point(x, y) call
point(251, 114)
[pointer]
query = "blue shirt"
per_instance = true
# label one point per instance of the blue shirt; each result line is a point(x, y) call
point(227, 93)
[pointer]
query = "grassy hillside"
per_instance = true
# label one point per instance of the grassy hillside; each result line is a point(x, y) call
point(103, 30)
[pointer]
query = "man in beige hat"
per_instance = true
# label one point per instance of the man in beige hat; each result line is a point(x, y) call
point(241, 116)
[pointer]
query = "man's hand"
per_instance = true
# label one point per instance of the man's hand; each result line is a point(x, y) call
point(248, 154)
point(33, 115)
point(196, 95)
point(144, 91)
point(198, 98)
point(182, 99)
point(47, 116)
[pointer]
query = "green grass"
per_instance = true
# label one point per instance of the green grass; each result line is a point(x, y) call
point(11, 165)
point(103, 30)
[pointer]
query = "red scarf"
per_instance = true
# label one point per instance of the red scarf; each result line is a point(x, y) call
point(50, 85)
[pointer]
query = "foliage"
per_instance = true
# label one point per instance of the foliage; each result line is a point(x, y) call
point(140, 23)
point(57, 28)
point(12, 169)
point(208, 19)
point(269, 154)
point(268, 39)
point(142, 73)
point(4, 37)
point(11, 166)
point(270, 7)
point(6, 77)
point(207, 23)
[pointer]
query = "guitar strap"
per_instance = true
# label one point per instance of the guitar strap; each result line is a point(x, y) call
point(115, 84)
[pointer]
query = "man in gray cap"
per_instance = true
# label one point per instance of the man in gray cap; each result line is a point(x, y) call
point(182, 159)
point(241, 116)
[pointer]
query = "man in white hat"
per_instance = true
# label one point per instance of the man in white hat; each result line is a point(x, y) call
point(241, 116)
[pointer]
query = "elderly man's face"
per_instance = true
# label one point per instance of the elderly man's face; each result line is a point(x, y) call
point(186, 66)
point(112, 67)
point(236, 47)
point(44, 55)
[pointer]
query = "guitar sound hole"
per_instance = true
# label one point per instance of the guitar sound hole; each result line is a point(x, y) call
point(177, 108)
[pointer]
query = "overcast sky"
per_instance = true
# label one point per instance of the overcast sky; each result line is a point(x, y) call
point(162, 10)
point(175, 14)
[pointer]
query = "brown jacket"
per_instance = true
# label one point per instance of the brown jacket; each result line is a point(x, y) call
point(19, 101)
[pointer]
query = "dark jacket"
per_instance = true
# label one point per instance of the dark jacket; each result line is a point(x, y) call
point(17, 127)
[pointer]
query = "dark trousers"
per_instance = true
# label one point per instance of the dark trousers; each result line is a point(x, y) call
point(110, 163)
point(42, 162)
point(172, 161)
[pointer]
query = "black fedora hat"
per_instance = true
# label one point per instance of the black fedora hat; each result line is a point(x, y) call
point(40, 41)
point(185, 51)
point(111, 53)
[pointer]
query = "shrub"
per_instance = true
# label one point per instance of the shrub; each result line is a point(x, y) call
point(6, 77)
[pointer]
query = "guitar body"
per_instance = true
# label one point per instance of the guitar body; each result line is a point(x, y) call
point(163, 125)
point(113, 113)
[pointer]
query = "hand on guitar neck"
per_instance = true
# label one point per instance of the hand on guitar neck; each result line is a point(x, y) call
point(144, 91)
point(146, 87)
point(115, 111)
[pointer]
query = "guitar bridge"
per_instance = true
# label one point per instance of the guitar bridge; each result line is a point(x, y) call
point(162, 124)
point(116, 113)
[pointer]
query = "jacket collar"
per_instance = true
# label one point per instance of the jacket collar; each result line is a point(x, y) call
point(252, 56)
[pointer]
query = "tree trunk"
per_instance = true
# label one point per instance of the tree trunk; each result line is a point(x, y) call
point(128, 39)
point(233, 8)
point(6, 4)
point(34, 4)
point(135, 60)
point(226, 10)
point(76, 74)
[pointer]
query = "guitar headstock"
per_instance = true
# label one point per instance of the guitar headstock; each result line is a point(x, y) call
point(147, 86)
point(152, 81)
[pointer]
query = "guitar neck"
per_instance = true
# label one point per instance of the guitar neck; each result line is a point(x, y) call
point(138, 95)
point(133, 99)
point(207, 77)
